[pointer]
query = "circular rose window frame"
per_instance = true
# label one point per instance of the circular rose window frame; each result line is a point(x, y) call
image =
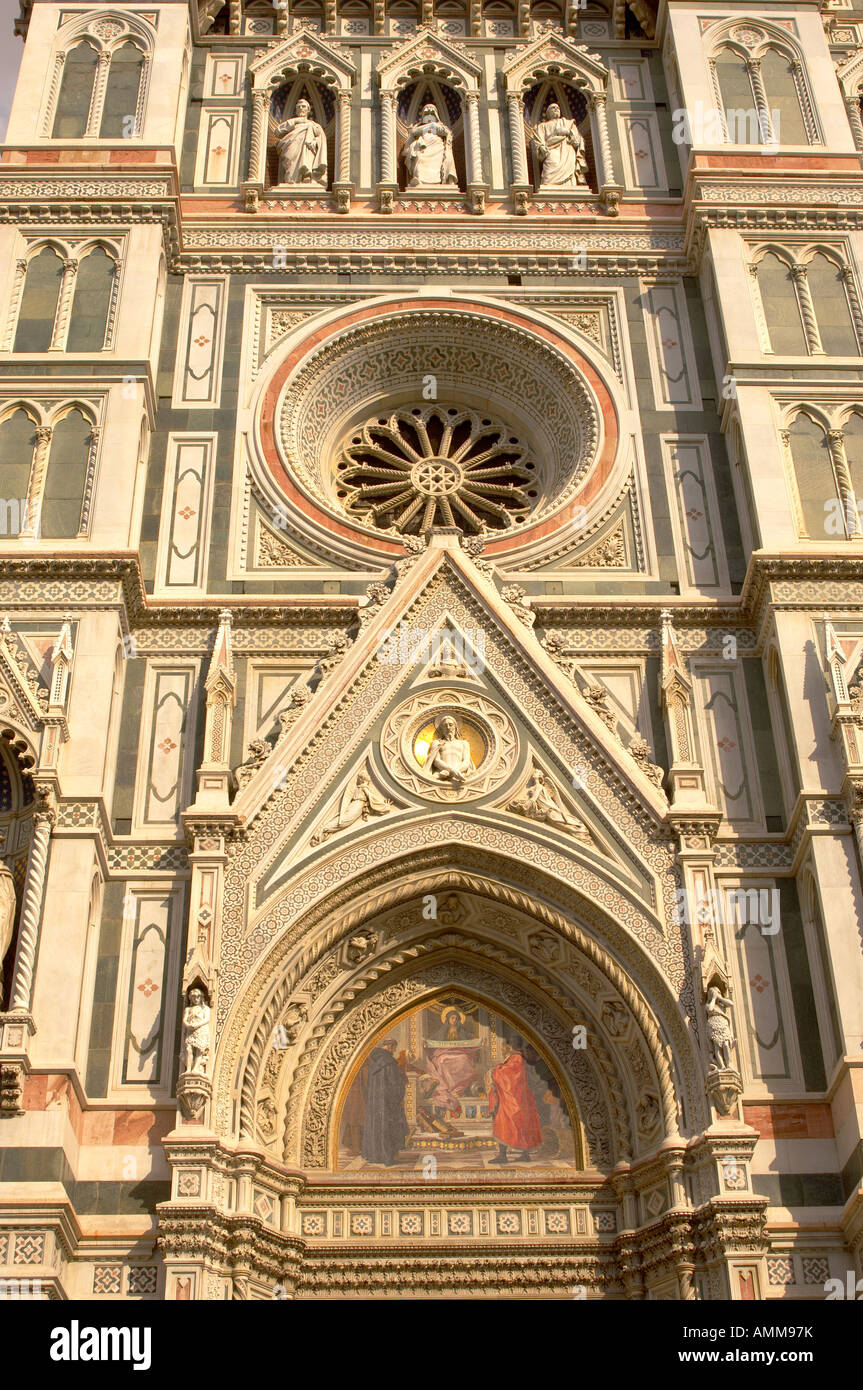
point(382, 542)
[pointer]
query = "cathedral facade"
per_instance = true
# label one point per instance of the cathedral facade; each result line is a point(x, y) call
point(431, 725)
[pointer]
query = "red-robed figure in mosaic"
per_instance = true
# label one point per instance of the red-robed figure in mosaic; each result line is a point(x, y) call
point(515, 1118)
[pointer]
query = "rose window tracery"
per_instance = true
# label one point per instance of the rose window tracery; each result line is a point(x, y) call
point(438, 466)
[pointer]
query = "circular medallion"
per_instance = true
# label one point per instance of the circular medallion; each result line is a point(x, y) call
point(449, 745)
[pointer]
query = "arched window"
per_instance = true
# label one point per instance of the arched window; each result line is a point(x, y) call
point(763, 94)
point(739, 106)
point(783, 98)
point(830, 300)
point(68, 460)
point(852, 435)
point(816, 484)
point(76, 92)
point(91, 305)
point(781, 307)
point(17, 448)
point(119, 112)
point(39, 302)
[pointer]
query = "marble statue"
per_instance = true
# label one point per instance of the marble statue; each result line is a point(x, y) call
point(541, 801)
point(302, 149)
point(7, 916)
point(428, 152)
point(360, 800)
point(196, 1032)
point(449, 756)
point(719, 1034)
point(559, 151)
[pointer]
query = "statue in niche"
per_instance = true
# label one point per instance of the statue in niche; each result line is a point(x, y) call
point(428, 152)
point(558, 151)
point(7, 916)
point(449, 756)
point(719, 1034)
point(196, 1032)
point(302, 149)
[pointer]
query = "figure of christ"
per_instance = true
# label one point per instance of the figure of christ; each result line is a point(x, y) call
point(449, 757)
point(559, 151)
point(302, 149)
point(428, 152)
point(515, 1118)
point(450, 1071)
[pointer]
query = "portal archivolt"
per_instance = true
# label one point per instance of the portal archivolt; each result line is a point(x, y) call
point(523, 958)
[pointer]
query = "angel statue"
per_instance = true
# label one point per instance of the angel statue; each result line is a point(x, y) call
point(542, 801)
point(360, 800)
point(428, 151)
point(302, 149)
point(559, 151)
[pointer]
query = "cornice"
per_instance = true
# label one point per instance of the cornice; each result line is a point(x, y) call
point(811, 572)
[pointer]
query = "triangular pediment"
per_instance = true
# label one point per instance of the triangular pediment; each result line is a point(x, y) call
point(374, 712)
point(304, 52)
point(426, 54)
point(552, 55)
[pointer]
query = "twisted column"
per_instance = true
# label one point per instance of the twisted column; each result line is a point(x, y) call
point(388, 137)
point(257, 143)
point(852, 106)
point(853, 301)
point(64, 305)
point(765, 125)
point(15, 302)
point(605, 170)
point(31, 912)
point(471, 109)
point(30, 522)
point(344, 175)
point(515, 112)
point(836, 442)
point(97, 100)
point(807, 308)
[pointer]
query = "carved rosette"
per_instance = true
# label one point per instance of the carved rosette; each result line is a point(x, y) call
point(485, 726)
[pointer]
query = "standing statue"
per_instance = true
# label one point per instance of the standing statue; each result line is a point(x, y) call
point(302, 148)
point(719, 1034)
point(559, 151)
point(196, 1032)
point(7, 917)
point(428, 152)
point(449, 756)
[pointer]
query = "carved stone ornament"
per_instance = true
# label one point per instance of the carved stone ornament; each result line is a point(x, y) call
point(193, 1096)
point(724, 1089)
point(449, 745)
point(11, 1088)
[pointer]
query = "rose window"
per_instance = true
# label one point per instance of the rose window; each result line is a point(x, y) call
point(436, 466)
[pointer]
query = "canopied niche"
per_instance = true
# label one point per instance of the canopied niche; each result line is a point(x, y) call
point(431, 151)
point(301, 122)
point(552, 71)
point(430, 140)
point(301, 137)
point(550, 103)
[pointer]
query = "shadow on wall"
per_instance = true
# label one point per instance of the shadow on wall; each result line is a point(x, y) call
point(10, 60)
